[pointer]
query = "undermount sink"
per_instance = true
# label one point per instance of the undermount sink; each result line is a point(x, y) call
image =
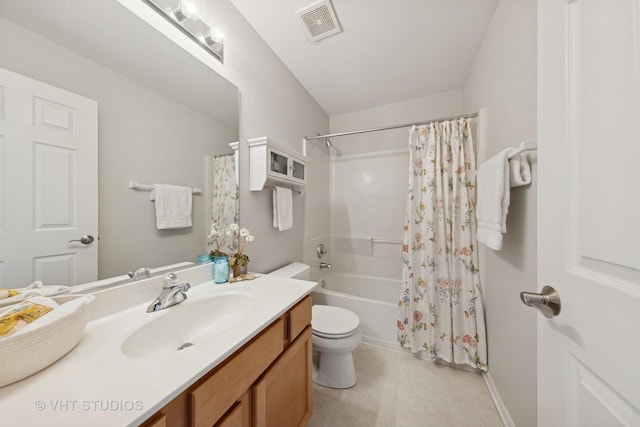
point(190, 323)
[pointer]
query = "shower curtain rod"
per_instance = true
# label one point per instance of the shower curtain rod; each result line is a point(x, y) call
point(353, 132)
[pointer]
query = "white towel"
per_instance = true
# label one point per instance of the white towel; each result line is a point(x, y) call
point(493, 199)
point(282, 208)
point(173, 206)
point(520, 171)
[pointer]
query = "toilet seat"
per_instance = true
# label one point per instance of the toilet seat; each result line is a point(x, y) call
point(333, 322)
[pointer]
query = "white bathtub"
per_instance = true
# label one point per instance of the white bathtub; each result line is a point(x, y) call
point(373, 299)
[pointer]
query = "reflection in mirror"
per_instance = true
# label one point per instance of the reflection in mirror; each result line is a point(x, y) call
point(225, 190)
point(161, 114)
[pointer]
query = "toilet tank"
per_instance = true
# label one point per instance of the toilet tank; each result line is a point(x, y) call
point(295, 270)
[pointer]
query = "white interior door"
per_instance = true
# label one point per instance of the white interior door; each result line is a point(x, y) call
point(48, 184)
point(589, 211)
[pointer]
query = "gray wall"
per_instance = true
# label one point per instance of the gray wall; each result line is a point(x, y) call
point(503, 79)
point(272, 103)
point(143, 136)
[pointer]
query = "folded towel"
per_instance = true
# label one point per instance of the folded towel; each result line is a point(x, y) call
point(8, 293)
point(173, 206)
point(19, 317)
point(520, 171)
point(282, 208)
point(493, 199)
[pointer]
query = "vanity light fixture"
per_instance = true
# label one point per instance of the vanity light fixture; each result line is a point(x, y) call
point(187, 10)
point(186, 16)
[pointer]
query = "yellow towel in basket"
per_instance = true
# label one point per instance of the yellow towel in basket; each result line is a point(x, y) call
point(20, 316)
point(8, 293)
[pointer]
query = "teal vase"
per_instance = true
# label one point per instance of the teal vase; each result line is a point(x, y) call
point(221, 269)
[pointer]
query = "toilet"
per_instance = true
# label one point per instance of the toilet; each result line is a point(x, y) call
point(335, 334)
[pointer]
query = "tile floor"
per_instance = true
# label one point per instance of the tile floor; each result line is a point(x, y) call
point(397, 389)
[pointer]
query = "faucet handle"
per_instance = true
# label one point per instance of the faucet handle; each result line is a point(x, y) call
point(170, 280)
point(141, 273)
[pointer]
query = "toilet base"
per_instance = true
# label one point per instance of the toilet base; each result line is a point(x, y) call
point(335, 370)
point(333, 364)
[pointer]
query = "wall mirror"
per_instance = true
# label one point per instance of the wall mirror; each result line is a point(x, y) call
point(163, 117)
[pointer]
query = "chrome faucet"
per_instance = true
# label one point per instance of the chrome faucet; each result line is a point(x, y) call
point(139, 274)
point(325, 265)
point(172, 293)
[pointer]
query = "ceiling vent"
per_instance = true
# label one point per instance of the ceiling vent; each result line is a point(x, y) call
point(319, 21)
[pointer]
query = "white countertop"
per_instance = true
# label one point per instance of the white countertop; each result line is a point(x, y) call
point(96, 384)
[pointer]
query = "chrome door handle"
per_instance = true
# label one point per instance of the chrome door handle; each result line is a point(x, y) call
point(87, 239)
point(547, 302)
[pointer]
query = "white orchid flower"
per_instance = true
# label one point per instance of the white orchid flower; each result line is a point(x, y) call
point(249, 238)
point(244, 232)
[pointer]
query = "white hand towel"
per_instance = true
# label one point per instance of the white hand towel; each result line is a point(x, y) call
point(520, 171)
point(282, 208)
point(493, 199)
point(173, 206)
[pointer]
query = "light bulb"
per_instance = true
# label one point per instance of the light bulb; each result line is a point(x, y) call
point(189, 10)
point(217, 36)
point(213, 37)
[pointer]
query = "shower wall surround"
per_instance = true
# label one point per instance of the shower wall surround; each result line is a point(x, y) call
point(369, 178)
point(368, 196)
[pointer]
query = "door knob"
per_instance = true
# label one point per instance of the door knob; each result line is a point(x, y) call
point(547, 302)
point(87, 239)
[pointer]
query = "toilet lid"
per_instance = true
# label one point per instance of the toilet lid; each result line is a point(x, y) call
point(330, 321)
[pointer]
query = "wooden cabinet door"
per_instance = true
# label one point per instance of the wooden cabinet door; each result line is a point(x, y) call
point(282, 398)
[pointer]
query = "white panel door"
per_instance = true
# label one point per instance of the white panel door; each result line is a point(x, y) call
point(589, 211)
point(48, 184)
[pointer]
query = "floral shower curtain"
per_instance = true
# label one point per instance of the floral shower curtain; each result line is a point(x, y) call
point(441, 310)
point(224, 203)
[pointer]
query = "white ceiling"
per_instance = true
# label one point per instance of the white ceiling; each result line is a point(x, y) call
point(389, 50)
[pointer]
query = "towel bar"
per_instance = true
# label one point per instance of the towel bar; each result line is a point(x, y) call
point(146, 187)
point(273, 188)
point(529, 145)
point(386, 241)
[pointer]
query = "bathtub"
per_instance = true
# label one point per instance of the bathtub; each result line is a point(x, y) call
point(373, 299)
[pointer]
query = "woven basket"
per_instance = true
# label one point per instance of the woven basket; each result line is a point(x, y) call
point(24, 354)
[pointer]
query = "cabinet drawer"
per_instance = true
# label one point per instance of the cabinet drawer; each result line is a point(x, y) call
point(299, 318)
point(240, 413)
point(159, 421)
point(213, 397)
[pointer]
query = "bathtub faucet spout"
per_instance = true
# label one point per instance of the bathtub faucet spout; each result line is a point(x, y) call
point(325, 265)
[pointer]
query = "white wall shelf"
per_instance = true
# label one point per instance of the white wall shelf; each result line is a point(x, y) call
point(271, 164)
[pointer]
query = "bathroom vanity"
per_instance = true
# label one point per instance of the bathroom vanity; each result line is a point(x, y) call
point(265, 383)
point(230, 355)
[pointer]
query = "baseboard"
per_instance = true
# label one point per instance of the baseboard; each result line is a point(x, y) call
point(507, 421)
point(395, 346)
point(391, 345)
